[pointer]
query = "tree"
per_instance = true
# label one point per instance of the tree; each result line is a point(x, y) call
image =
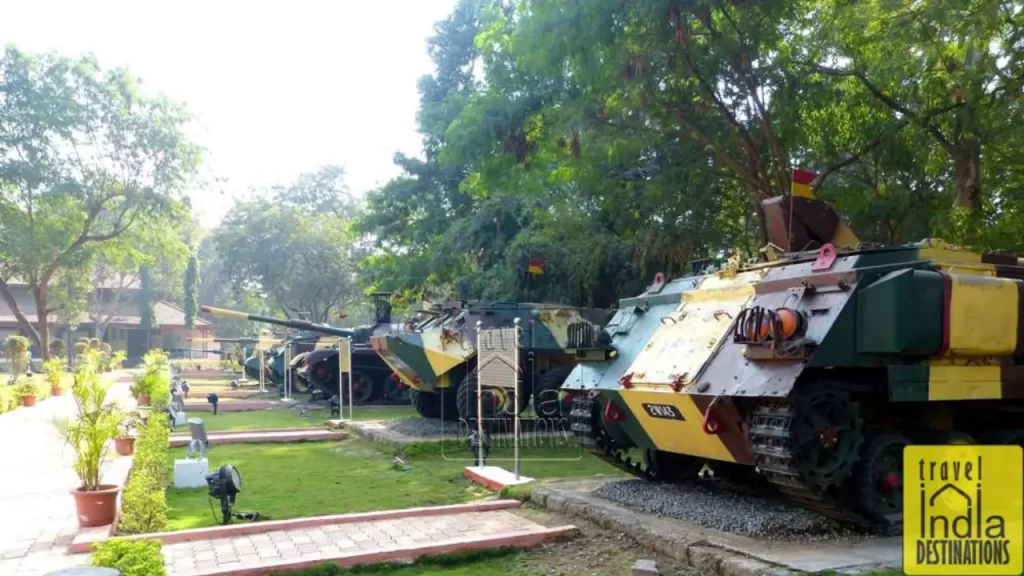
point(147, 321)
point(85, 157)
point(303, 260)
point(191, 290)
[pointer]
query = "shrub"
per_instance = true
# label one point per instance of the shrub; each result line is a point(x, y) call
point(16, 351)
point(58, 349)
point(94, 343)
point(81, 349)
point(130, 557)
point(118, 358)
point(54, 368)
point(8, 399)
point(26, 387)
point(144, 502)
point(94, 425)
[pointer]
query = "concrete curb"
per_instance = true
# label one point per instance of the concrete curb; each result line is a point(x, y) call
point(695, 551)
point(213, 532)
point(526, 539)
point(266, 437)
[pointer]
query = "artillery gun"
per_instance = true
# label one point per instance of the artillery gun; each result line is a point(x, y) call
point(813, 370)
point(318, 368)
point(435, 353)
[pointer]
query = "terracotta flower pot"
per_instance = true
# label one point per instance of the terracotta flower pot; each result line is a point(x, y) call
point(143, 400)
point(97, 507)
point(57, 391)
point(28, 400)
point(124, 446)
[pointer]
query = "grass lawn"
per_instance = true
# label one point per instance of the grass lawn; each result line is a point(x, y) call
point(289, 418)
point(317, 478)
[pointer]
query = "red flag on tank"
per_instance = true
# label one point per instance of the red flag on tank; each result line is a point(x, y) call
point(537, 266)
point(801, 185)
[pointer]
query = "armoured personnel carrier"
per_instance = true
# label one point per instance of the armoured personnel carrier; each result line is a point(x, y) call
point(319, 368)
point(813, 370)
point(435, 355)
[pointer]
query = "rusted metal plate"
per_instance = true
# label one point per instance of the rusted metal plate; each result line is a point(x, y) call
point(730, 373)
point(677, 351)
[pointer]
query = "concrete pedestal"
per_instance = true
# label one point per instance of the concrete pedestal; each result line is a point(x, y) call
point(179, 418)
point(191, 473)
point(494, 477)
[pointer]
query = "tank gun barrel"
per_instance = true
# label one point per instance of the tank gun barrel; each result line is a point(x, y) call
point(288, 323)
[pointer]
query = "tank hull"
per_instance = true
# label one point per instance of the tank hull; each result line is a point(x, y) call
point(815, 371)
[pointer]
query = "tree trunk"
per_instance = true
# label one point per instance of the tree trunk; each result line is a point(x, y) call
point(967, 170)
point(42, 322)
point(23, 322)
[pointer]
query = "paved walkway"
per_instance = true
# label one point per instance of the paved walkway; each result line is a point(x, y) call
point(37, 512)
point(346, 543)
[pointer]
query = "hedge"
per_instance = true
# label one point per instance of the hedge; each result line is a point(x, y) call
point(144, 502)
point(8, 399)
point(130, 557)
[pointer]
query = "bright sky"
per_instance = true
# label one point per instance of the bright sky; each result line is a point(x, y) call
point(279, 88)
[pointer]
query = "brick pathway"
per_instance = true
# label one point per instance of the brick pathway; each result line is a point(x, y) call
point(37, 511)
point(344, 542)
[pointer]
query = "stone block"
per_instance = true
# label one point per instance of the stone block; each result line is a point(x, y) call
point(191, 473)
point(645, 568)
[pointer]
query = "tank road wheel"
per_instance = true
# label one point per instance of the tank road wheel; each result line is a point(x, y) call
point(395, 389)
point(362, 388)
point(497, 402)
point(426, 404)
point(826, 437)
point(661, 466)
point(1003, 437)
point(547, 403)
point(878, 479)
point(955, 438)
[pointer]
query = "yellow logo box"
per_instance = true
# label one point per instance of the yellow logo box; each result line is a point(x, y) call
point(963, 510)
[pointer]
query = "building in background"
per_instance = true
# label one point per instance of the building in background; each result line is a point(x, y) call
point(113, 310)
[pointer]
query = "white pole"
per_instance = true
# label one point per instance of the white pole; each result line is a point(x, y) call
point(348, 354)
point(287, 371)
point(262, 369)
point(479, 402)
point(515, 405)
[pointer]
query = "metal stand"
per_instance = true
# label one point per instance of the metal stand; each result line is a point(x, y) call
point(515, 401)
point(287, 372)
point(263, 369)
point(345, 367)
point(479, 403)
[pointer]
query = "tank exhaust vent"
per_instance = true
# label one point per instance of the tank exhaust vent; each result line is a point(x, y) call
point(581, 335)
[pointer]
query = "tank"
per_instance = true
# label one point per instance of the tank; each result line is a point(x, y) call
point(434, 355)
point(810, 372)
point(318, 369)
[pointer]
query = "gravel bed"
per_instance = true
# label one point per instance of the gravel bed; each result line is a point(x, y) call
point(728, 509)
point(423, 427)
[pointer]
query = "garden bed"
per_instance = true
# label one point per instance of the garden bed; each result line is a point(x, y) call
point(284, 481)
point(291, 416)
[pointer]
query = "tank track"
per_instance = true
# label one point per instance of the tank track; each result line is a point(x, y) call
point(769, 439)
point(598, 443)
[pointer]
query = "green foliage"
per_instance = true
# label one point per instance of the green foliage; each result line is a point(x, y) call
point(25, 387)
point(54, 368)
point(191, 290)
point(144, 503)
point(8, 399)
point(59, 349)
point(154, 380)
point(16, 352)
point(94, 424)
point(81, 349)
point(299, 251)
point(130, 557)
point(89, 157)
point(146, 319)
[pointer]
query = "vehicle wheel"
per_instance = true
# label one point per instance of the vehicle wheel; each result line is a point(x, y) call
point(661, 466)
point(547, 401)
point(362, 388)
point(878, 478)
point(496, 403)
point(426, 404)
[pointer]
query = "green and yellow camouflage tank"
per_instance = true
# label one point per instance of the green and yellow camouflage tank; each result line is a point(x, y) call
point(812, 371)
point(435, 355)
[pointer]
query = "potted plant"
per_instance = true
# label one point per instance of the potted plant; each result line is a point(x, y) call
point(88, 434)
point(26, 390)
point(54, 368)
point(142, 387)
point(127, 431)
